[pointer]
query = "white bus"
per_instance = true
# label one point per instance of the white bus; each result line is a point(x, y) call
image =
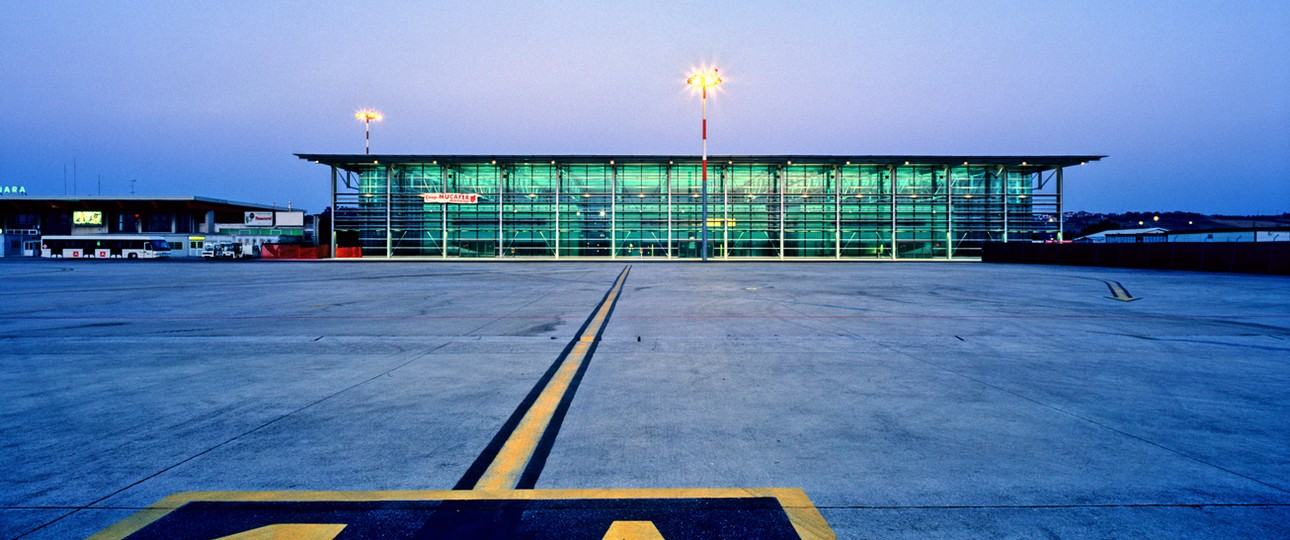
point(102, 246)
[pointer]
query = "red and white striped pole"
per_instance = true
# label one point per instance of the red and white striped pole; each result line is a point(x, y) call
point(703, 80)
point(704, 243)
point(367, 116)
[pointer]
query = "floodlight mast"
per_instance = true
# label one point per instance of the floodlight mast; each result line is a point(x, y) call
point(703, 81)
point(368, 116)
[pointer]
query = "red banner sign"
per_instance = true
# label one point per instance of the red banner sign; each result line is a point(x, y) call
point(451, 198)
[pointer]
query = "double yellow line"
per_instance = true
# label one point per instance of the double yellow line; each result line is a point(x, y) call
point(511, 460)
point(1118, 292)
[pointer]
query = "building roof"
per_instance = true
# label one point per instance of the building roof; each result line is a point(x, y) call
point(1125, 232)
point(94, 202)
point(1032, 163)
point(1271, 228)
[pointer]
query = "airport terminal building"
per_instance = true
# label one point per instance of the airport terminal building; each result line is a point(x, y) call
point(758, 207)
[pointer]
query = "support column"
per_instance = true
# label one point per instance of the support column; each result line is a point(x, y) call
point(725, 212)
point(210, 222)
point(668, 175)
point(613, 211)
point(1003, 188)
point(501, 210)
point(779, 183)
point(949, 214)
point(1061, 208)
point(558, 178)
point(389, 214)
point(837, 213)
point(443, 209)
point(891, 171)
point(333, 211)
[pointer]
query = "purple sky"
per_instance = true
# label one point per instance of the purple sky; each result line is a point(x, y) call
point(1191, 100)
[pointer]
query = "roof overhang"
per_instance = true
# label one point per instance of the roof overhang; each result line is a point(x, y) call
point(363, 161)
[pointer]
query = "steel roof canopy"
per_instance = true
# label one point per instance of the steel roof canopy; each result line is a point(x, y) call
point(1028, 162)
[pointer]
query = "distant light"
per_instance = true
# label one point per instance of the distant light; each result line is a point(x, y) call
point(553, 162)
point(968, 196)
point(1023, 163)
point(705, 80)
point(611, 162)
point(790, 162)
point(1157, 218)
point(1139, 223)
point(494, 162)
point(368, 115)
point(1189, 222)
point(906, 163)
point(602, 213)
point(848, 163)
point(669, 162)
point(435, 162)
point(965, 163)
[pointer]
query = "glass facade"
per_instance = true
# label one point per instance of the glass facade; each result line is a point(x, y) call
point(777, 207)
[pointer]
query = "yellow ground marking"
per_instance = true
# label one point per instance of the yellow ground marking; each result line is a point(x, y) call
point(289, 531)
point(806, 519)
point(633, 530)
point(504, 472)
point(1118, 292)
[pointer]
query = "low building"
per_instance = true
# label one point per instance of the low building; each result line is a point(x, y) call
point(1119, 235)
point(1230, 235)
point(183, 221)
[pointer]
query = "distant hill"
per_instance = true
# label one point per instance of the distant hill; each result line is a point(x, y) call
point(1082, 223)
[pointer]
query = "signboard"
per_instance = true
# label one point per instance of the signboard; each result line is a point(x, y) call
point(13, 190)
point(289, 219)
point(259, 219)
point(450, 198)
point(87, 218)
point(592, 514)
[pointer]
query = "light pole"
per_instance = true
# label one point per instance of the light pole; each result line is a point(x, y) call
point(368, 116)
point(703, 80)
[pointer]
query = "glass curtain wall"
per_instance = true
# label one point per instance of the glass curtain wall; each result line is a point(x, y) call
point(653, 209)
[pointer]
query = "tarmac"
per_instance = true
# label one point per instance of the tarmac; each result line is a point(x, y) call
point(906, 400)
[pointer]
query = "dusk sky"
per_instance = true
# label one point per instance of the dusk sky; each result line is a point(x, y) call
point(1190, 100)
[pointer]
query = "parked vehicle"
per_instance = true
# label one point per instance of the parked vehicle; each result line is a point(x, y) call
point(224, 250)
point(104, 246)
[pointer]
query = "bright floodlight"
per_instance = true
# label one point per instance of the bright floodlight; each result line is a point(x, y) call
point(368, 115)
point(705, 79)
